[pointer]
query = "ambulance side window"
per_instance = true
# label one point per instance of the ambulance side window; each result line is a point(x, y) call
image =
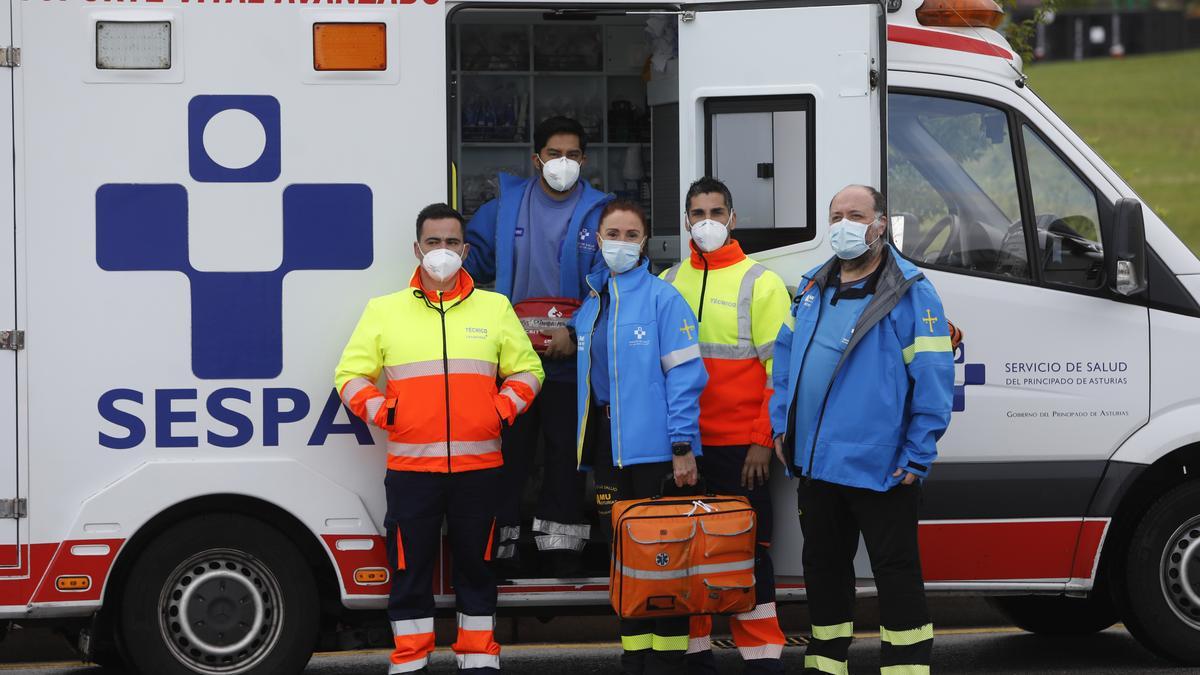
point(952, 185)
point(1067, 218)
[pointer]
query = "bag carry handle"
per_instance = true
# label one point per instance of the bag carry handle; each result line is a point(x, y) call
point(700, 489)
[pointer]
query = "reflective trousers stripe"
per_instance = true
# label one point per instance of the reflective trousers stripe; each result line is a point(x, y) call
point(826, 665)
point(637, 643)
point(904, 670)
point(669, 643)
point(761, 652)
point(412, 627)
point(468, 622)
point(841, 630)
point(903, 638)
point(699, 644)
point(559, 542)
point(659, 643)
point(477, 661)
point(572, 530)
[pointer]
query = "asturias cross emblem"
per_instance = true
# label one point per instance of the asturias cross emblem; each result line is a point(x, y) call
point(687, 329)
point(930, 319)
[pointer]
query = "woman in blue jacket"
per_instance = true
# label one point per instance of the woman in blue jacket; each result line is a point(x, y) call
point(639, 384)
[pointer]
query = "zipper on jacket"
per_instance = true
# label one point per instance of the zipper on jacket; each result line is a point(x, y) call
point(615, 394)
point(587, 380)
point(445, 375)
point(812, 454)
point(703, 288)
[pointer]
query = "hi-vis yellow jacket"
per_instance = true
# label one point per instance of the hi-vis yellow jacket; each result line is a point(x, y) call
point(740, 305)
point(441, 354)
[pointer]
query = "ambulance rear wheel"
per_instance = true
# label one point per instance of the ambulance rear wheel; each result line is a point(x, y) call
point(220, 595)
point(1163, 576)
point(1057, 615)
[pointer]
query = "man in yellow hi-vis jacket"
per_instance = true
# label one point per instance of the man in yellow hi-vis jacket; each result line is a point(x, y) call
point(441, 343)
point(740, 306)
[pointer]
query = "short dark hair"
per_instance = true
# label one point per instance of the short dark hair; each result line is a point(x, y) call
point(438, 212)
point(558, 125)
point(879, 201)
point(708, 185)
point(630, 206)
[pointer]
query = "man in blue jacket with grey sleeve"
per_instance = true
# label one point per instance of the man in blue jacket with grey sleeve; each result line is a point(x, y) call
point(863, 388)
point(537, 239)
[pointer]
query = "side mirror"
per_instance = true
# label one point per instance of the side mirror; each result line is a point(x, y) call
point(1125, 255)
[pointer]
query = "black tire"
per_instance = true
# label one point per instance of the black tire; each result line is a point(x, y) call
point(246, 590)
point(1162, 576)
point(1057, 615)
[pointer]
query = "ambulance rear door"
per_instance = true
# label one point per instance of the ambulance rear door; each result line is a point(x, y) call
point(783, 102)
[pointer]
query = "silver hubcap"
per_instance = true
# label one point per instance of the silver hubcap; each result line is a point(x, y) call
point(1181, 572)
point(221, 612)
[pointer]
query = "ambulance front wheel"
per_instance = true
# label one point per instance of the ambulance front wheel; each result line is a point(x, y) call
point(220, 595)
point(1163, 576)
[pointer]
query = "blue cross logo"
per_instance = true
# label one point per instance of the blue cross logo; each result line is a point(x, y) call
point(973, 374)
point(237, 317)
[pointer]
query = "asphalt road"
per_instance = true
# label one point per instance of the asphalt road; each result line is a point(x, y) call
point(961, 650)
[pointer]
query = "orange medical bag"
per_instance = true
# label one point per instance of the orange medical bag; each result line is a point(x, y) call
point(674, 556)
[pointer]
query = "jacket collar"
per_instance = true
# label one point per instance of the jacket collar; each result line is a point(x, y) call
point(515, 187)
point(463, 286)
point(893, 270)
point(629, 281)
point(727, 255)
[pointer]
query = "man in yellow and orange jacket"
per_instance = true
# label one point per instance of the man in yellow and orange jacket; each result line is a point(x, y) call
point(441, 344)
point(740, 306)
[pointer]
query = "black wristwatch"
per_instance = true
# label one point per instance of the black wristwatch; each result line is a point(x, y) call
point(681, 448)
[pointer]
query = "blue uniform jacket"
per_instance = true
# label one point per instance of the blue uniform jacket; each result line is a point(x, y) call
point(655, 372)
point(492, 230)
point(890, 396)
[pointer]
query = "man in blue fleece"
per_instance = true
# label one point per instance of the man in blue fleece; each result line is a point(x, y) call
point(537, 239)
point(863, 390)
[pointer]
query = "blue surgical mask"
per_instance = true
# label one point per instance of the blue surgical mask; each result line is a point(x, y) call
point(848, 239)
point(621, 256)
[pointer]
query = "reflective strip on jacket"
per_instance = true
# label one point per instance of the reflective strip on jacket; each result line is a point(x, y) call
point(440, 355)
point(741, 306)
point(890, 396)
point(655, 372)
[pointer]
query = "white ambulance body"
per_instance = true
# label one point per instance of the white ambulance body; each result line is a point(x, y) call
point(204, 196)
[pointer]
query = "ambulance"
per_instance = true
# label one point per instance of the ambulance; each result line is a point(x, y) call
point(204, 195)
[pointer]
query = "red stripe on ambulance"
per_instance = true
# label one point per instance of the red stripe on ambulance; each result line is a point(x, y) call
point(942, 40)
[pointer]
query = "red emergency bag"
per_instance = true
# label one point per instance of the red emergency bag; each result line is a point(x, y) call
point(541, 315)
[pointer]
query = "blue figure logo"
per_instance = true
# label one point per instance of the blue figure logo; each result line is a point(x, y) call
point(237, 317)
point(973, 374)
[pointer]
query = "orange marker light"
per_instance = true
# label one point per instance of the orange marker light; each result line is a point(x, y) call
point(73, 583)
point(370, 576)
point(960, 13)
point(349, 46)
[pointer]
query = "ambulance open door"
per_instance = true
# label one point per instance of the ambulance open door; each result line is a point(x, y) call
point(10, 355)
point(784, 102)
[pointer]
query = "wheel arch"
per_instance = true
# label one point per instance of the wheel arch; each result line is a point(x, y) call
point(1126, 493)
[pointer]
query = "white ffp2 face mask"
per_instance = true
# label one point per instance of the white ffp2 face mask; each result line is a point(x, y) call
point(441, 263)
point(710, 234)
point(621, 256)
point(561, 174)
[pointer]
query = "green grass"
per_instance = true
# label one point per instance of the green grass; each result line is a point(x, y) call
point(1140, 114)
